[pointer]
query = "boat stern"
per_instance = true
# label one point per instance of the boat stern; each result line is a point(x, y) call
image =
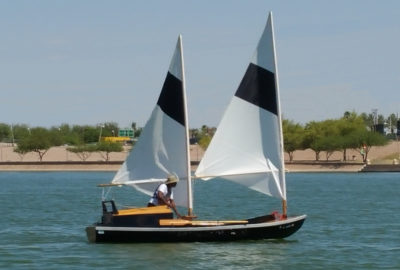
point(143, 217)
point(91, 234)
point(133, 217)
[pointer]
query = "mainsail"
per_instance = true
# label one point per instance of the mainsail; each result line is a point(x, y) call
point(247, 147)
point(162, 146)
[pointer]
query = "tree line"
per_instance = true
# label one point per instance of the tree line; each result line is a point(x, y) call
point(80, 139)
point(352, 131)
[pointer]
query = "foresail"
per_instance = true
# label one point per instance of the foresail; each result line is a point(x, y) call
point(247, 146)
point(161, 148)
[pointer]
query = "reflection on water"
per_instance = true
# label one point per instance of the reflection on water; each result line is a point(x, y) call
point(238, 255)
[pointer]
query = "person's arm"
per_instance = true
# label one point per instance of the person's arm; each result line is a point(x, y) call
point(173, 206)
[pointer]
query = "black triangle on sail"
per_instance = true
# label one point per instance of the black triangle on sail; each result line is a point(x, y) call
point(171, 99)
point(258, 87)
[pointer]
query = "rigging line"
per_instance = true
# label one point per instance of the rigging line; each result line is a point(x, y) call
point(123, 206)
point(138, 182)
point(105, 194)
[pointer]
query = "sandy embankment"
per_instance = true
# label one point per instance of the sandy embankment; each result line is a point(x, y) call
point(58, 158)
point(303, 160)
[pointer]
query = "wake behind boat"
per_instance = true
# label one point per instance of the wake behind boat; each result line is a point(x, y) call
point(247, 148)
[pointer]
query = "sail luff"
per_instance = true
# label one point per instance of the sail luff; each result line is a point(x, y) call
point(281, 143)
point(189, 180)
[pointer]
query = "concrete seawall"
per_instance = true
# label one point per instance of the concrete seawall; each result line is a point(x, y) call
point(115, 165)
point(381, 168)
point(320, 166)
point(60, 166)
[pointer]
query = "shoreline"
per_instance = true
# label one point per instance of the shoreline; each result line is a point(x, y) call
point(12, 166)
point(115, 165)
point(59, 159)
point(323, 167)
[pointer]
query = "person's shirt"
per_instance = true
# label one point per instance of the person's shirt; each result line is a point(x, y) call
point(164, 190)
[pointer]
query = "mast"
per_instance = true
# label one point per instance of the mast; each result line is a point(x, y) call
point(282, 169)
point(189, 179)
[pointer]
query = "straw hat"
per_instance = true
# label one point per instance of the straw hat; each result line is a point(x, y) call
point(171, 179)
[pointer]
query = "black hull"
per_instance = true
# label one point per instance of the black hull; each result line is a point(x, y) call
point(265, 230)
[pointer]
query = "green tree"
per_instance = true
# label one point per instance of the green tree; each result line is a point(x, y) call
point(86, 134)
point(90, 134)
point(105, 148)
point(39, 141)
point(293, 136)
point(83, 151)
point(350, 123)
point(334, 134)
point(20, 131)
point(110, 129)
point(372, 119)
point(328, 144)
point(21, 152)
point(70, 135)
point(368, 139)
point(204, 136)
point(56, 136)
point(313, 133)
point(204, 141)
point(5, 132)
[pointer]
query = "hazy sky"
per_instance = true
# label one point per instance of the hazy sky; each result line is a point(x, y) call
point(87, 62)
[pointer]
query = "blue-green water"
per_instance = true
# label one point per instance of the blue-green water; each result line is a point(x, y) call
point(353, 223)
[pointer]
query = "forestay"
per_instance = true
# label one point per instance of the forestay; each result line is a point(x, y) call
point(247, 146)
point(162, 146)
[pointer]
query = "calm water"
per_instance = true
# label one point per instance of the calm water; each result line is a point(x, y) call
point(353, 223)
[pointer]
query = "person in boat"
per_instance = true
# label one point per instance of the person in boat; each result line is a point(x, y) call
point(163, 195)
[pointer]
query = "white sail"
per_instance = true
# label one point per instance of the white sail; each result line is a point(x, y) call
point(162, 146)
point(247, 146)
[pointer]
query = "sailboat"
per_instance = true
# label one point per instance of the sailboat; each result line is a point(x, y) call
point(163, 149)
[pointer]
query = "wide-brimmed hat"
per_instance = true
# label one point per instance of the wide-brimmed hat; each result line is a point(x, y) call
point(172, 179)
